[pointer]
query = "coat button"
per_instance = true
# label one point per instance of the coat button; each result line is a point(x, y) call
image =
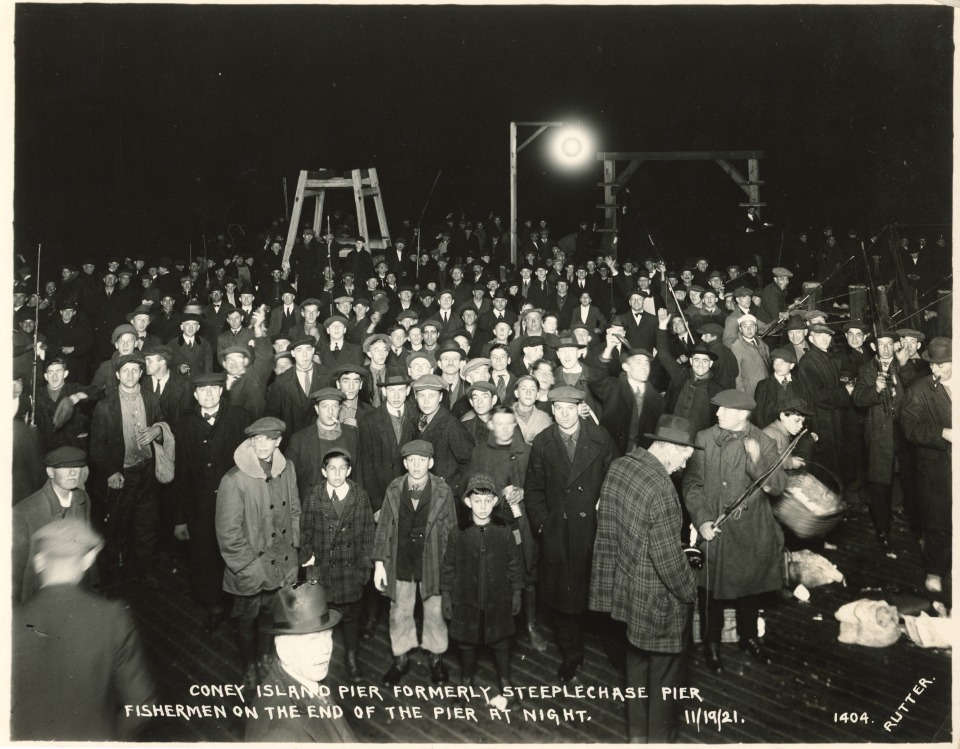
point(271, 507)
point(284, 532)
point(274, 535)
point(209, 465)
point(273, 561)
point(284, 503)
point(583, 514)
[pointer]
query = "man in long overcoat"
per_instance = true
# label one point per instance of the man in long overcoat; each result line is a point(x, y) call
point(382, 433)
point(752, 355)
point(288, 398)
point(568, 463)
point(819, 376)
point(641, 575)
point(745, 555)
point(927, 423)
point(206, 440)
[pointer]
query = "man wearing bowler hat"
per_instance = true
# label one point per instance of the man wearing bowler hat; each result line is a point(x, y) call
point(745, 555)
point(258, 530)
point(641, 575)
point(568, 463)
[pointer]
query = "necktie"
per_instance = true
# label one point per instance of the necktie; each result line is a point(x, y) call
point(784, 383)
point(333, 496)
point(422, 423)
point(501, 388)
point(232, 380)
point(210, 417)
point(336, 347)
point(446, 317)
point(307, 378)
point(156, 386)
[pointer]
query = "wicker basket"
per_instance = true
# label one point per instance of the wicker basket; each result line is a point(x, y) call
point(808, 507)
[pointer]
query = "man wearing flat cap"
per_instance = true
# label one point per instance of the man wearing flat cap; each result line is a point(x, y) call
point(301, 708)
point(452, 443)
point(104, 381)
point(818, 373)
point(745, 555)
point(927, 423)
point(339, 350)
point(308, 445)
point(773, 296)
point(60, 497)
point(288, 398)
point(126, 424)
point(641, 576)
point(751, 353)
point(76, 657)
point(568, 462)
point(631, 405)
point(258, 531)
point(206, 440)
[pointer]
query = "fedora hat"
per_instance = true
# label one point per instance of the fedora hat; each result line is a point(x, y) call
point(675, 429)
point(939, 350)
point(301, 609)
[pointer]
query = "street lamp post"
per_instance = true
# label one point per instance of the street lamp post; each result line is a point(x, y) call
point(514, 150)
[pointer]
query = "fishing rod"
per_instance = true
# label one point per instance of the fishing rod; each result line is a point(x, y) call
point(36, 327)
point(800, 302)
point(673, 293)
point(420, 223)
point(949, 293)
point(885, 393)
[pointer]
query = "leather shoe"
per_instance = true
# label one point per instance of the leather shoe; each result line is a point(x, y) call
point(353, 668)
point(369, 629)
point(711, 654)
point(568, 671)
point(754, 647)
point(398, 669)
point(537, 641)
point(438, 672)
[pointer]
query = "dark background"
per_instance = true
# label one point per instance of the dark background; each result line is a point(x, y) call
point(145, 127)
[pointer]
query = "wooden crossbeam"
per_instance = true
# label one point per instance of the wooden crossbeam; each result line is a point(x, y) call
point(676, 155)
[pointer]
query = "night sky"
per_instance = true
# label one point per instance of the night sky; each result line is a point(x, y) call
point(142, 127)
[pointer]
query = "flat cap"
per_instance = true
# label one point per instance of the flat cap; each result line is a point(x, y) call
point(306, 340)
point(65, 457)
point(243, 350)
point(335, 318)
point(208, 378)
point(746, 318)
point(566, 394)
point(734, 399)
point(891, 334)
point(422, 354)
point(122, 330)
point(530, 311)
point(475, 364)
point(785, 354)
point(134, 357)
point(337, 450)
point(143, 309)
point(534, 340)
point(742, 291)
point(814, 314)
point(326, 394)
point(715, 274)
point(372, 339)
point(712, 328)
point(779, 272)
point(66, 538)
point(911, 333)
point(695, 287)
point(431, 322)
point(429, 382)
point(268, 425)
point(408, 314)
point(155, 349)
point(343, 298)
point(482, 387)
point(417, 447)
point(349, 369)
point(311, 300)
point(858, 324)
point(818, 328)
point(794, 403)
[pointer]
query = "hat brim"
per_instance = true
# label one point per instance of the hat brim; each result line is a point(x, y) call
point(673, 440)
point(306, 628)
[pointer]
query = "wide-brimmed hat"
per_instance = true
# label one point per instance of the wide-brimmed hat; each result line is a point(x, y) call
point(940, 350)
point(675, 429)
point(301, 609)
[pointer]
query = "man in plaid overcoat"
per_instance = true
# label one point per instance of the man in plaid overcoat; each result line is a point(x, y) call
point(641, 575)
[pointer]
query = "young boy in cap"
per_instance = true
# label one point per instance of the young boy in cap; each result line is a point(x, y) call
point(452, 444)
point(302, 626)
point(416, 518)
point(336, 544)
point(482, 581)
point(59, 498)
point(258, 530)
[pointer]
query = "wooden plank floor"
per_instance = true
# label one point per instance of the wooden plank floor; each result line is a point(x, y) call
point(801, 697)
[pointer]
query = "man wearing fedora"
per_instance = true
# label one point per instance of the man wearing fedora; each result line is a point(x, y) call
point(745, 555)
point(692, 384)
point(640, 573)
point(927, 423)
point(192, 354)
point(258, 530)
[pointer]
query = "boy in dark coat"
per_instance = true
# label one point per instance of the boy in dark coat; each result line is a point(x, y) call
point(336, 543)
point(480, 569)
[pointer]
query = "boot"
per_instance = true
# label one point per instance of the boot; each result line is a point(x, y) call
point(711, 654)
point(438, 671)
point(398, 669)
point(353, 668)
point(537, 641)
point(754, 646)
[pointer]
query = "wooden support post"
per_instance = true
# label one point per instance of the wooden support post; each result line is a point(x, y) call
point(318, 214)
point(513, 194)
point(378, 205)
point(358, 200)
point(610, 207)
point(753, 174)
point(294, 225)
point(944, 322)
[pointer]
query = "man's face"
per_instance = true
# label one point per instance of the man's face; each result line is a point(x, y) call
point(743, 301)
point(67, 314)
point(821, 340)
point(702, 265)
point(481, 505)
point(854, 338)
point(885, 349)
point(344, 308)
point(216, 296)
point(591, 266)
point(700, 364)
point(482, 401)
point(565, 414)
point(234, 319)
point(781, 281)
point(264, 445)
point(709, 301)
point(88, 268)
point(430, 334)
point(582, 336)
point(154, 364)
point(303, 355)
point(503, 425)
point(469, 317)
point(501, 331)
point(235, 364)
point(480, 373)
point(534, 323)
point(541, 274)
point(944, 371)
point(281, 344)
point(793, 424)
point(310, 314)
point(208, 396)
point(499, 360)
point(910, 345)
point(28, 325)
point(336, 331)
point(694, 297)
point(396, 395)
point(189, 328)
point(167, 303)
point(418, 368)
point(456, 274)
point(636, 303)
point(398, 337)
point(418, 466)
point(686, 276)
point(415, 334)
point(568, 356)
point(795, 337)
point(533, 353)
point(428, 401)
point(561, 289)
point(66, 479)
point(109, 281)
point(637, 368)
point(129, 375)
point(350, 384)
point(126, 343)
point(732, 419)
point(405, 296)
point(525, 274)
point(782, 368)
point(246, 299)
point(748, 329)
point(336, 471)
point(328, 411)
point(378, 353)
point(445, 301)
point(55, 375)
point(526, 393)
point(679, 326)
point(65, 273)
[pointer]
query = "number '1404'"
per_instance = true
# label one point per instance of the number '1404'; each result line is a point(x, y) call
point(851, 718)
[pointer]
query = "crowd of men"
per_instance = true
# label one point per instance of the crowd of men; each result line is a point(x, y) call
point(354, 417)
